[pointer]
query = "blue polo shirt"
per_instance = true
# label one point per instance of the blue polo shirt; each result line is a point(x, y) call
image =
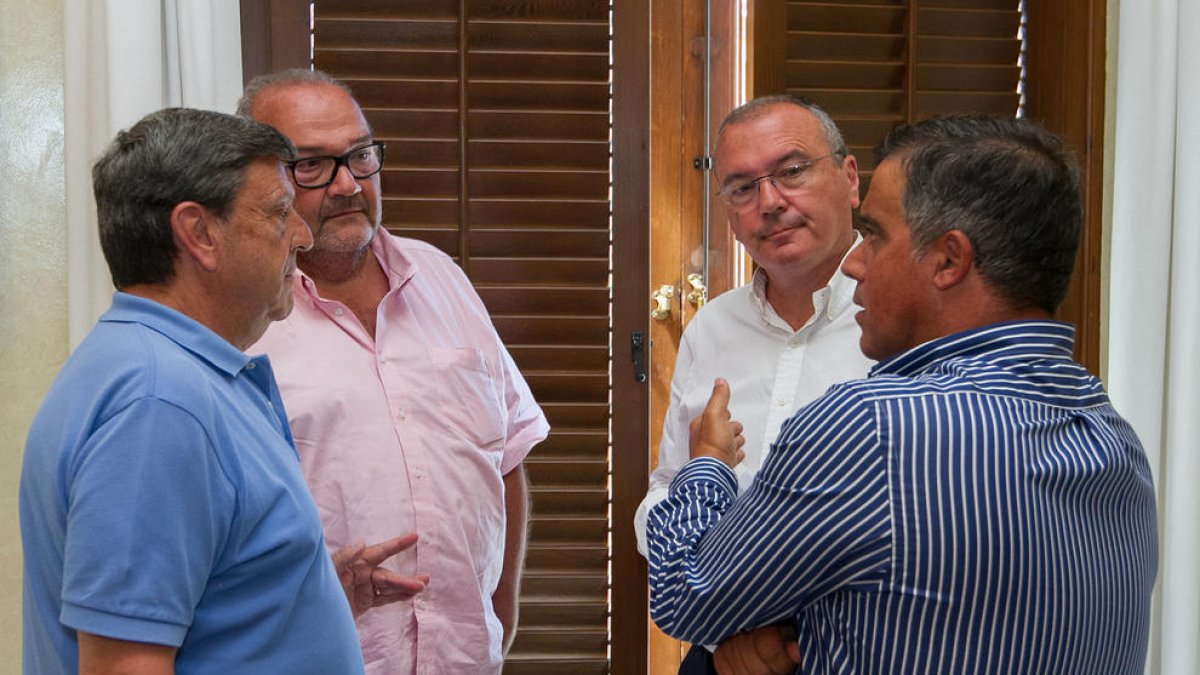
point(162, 501)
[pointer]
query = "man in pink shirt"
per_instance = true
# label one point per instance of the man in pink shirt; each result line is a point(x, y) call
point(407, 410)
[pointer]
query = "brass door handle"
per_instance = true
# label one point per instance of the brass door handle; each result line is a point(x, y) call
point(699, 293)
point(662, 297)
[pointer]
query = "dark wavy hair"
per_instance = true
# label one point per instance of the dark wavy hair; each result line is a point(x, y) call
point(1011, 186)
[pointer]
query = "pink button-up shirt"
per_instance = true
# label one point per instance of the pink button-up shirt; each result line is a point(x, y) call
point(411, 431)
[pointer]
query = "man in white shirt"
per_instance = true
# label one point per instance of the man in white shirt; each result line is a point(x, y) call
point(780, 341)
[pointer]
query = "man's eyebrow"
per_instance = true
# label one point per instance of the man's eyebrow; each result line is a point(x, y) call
point(313, 150)
point(867, 222)
point(792, 156)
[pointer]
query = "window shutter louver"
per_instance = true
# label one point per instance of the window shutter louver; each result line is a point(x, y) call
point(876, 64)
point(497, 118)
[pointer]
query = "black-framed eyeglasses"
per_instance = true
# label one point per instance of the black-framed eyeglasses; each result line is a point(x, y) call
point(317, 172)
point(791, 177)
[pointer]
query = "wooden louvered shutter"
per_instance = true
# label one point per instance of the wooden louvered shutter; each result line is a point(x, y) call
point(496, 115)
point(876, 65)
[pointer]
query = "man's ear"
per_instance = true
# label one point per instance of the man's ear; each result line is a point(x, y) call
point(850, 166)
point(197, 234)
point(955, 256)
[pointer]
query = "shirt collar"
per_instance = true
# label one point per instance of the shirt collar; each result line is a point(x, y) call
point(1053, 340)
point(181, 329)
point(398, 268)
point(829, 301)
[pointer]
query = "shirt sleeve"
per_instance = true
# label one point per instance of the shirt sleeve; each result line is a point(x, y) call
point(527, 425)
point(815, 520)
point(673, 451)
point(149, 511)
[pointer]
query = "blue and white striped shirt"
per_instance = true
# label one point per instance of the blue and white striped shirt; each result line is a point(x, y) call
point(974, 506)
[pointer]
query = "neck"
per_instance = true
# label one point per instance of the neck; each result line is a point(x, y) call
point(790, 290)
point(334, 267)
point(354, 279)
point(199, 305)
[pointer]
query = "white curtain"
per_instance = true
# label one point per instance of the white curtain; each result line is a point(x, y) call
point(1154, 295)
point(124, 59)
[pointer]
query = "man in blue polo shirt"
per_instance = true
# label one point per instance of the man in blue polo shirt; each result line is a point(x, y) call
point(165, 522)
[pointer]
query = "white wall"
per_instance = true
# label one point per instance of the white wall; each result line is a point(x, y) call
point(33, 280)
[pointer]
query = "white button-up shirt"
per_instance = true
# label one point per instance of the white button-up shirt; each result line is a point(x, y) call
point(772, 371)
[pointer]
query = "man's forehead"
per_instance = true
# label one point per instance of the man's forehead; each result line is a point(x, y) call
point(318, 117)
point(781, 132)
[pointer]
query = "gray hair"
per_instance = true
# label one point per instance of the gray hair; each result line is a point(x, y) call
point(283, 78)
point(1009, 185)
point(168, 157)
point(758, 107)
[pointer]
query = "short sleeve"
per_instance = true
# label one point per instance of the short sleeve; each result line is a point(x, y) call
point(149, 510)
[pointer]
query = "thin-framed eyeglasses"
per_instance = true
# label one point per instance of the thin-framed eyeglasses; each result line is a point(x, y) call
point(317, 172)
point(787, 179)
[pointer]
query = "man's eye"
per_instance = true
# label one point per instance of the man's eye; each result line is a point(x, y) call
point(741, 189)
point(792, 171)
point(309, 165)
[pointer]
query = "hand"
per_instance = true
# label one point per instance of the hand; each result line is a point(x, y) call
point(768, 650)
point(713, 434)
point(368, 585)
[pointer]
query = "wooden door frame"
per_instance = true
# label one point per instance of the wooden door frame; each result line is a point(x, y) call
point(1065, 92)
point(268, 42)
point(678, 184)
point(631, 279)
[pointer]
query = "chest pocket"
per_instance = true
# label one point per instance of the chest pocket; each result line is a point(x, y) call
point(470, 401)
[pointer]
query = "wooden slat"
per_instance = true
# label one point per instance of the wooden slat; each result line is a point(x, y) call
point(826, 18)
point(560, 641)
point(565, 442)
point(571, 472)
point(358, 63)
point(389, 9)
point(503, 301)
point(538, 127)
point(969, 22)
point(578, 213)
point(415, 122)
point(426, 212)
point(528, 95)
point(540, 272)
point(579, 559)
point(439, 34)
point(565, 330)
point(559, 585)
point(509, 183)
point(537, 243)
point(554, 664)
point(499, 154)
point(587, 67)
point(567, 531)
point(555, 501)
point(569, 386)
point(532, 37)
point(565, 416)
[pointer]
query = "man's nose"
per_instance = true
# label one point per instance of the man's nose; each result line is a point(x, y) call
point(770, 199)
point(854, 265)
point(302, 238)
point(344, 184)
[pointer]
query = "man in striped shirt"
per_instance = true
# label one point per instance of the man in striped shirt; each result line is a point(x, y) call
point(975, 505)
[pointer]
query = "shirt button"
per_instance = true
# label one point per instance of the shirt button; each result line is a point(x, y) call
point(781, 403)
point(339, 311)
point(250, 366)
point(400, 414)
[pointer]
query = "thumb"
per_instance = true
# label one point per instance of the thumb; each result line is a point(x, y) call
point(718, 402)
